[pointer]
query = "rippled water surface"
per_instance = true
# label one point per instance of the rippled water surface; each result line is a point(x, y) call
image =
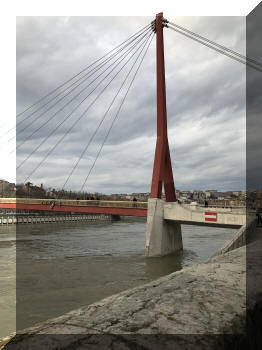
point(64, 266)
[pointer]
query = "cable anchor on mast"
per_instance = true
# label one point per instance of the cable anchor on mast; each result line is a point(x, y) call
point(153, 26)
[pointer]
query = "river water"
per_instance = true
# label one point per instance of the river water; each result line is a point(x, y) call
point(60, 267)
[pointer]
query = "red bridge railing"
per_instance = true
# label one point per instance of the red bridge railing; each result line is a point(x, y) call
point(126, 208)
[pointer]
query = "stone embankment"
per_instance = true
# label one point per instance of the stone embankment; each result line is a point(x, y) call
point(240, 238)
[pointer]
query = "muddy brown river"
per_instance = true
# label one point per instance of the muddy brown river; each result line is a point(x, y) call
point(60, 267)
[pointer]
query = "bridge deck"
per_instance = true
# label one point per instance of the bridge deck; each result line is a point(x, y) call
point(172, 211)
point(76, 206)
point(196, 215)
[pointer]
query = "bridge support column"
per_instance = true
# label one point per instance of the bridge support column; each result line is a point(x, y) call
point(162, 237)
point(115, 217)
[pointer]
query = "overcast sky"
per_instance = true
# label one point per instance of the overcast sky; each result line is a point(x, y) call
point(205, 105)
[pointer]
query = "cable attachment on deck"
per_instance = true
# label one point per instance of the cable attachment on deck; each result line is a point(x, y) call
point(153, 26)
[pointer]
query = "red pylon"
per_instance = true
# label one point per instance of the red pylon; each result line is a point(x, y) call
point(162, 172)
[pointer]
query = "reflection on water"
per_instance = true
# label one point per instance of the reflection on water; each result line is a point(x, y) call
point(64, 266)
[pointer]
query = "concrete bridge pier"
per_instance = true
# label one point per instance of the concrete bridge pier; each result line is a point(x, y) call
point(163, 237)
point(115, 217)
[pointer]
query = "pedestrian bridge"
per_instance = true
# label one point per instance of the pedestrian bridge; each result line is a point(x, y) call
point(123, 208)
point(185, 214)
point(196, 215)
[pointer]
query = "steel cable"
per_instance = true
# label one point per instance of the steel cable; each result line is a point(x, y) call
point(116, 116)
point(83, 70)
point(216, 49)
point(70, 114)
point(59, 110)
point(79, 118)
point(103, 118)
point(216, 44)
point(87, 75)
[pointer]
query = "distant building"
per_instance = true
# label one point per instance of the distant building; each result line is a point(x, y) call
point(237, 193)
point(211, 193)
point(199, 196)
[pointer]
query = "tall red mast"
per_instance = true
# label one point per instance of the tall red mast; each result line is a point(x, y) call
point(162, 172)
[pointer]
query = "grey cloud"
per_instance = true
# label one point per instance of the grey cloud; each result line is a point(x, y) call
point(203, 88)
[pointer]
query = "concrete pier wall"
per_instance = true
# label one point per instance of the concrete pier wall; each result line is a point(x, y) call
point(162, 236)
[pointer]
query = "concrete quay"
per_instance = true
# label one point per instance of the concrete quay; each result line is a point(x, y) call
point(192, 306)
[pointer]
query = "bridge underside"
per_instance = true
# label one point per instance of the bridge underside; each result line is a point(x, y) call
point(209, 224)
point(132, 211)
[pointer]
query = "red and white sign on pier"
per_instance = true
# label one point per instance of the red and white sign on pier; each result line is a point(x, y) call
point(210, 216)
